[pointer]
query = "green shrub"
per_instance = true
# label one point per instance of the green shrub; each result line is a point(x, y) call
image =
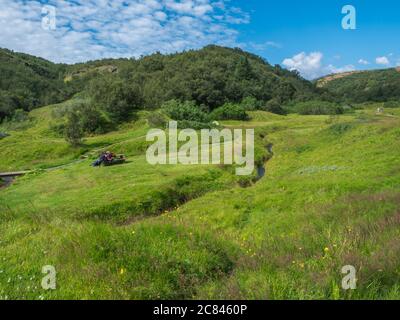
point(251, 104)
point(73, 129)
point(184, 111)
point(20, 116)
point(118, 98)
point(341, 128)
point(195, 125)
point(316, 107)
point(82, 119)
point(391, 104)
point(229, 111)
point(274, 106)
point(92, 120)
point(157, 120)
point(7, 105)
point(348, 108)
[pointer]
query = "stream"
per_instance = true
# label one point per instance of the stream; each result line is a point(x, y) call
point(5, 182)
point(261, 170)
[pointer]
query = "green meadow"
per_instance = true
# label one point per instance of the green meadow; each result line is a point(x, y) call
point(330, 198)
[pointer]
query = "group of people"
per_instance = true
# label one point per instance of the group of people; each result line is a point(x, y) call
point(105, 158)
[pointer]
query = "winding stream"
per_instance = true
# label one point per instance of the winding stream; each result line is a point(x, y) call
point(261, 170)
point(5, 182)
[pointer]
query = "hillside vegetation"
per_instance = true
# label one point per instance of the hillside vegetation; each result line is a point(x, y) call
point(28, 82)
point(366, 86)
point(210, 77)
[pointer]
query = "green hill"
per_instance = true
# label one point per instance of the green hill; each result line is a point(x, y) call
point(211, 77)
point(365, 86)
point(28, 82)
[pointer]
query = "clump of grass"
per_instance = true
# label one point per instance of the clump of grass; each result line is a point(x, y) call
point(341, 128)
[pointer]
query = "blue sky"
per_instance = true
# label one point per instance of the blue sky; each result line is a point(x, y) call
point(306, 35)
point(315, 26)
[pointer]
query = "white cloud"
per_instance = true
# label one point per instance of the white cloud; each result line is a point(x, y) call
point(94, 29)
point(382, 61)
point(363, 62)
point(332, 69)
point(311, 65)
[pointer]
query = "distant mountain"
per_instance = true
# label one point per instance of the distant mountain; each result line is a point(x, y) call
point(363, 86)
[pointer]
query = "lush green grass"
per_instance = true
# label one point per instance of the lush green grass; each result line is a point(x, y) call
point(330, 198)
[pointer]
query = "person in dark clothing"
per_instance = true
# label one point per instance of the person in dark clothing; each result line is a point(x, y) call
point(109, 157)
point(100, 160)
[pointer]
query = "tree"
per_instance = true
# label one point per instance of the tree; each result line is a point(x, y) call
point(92, 120)
point(243, 69)
point(274, 106)
point(118, 98)
point(184, 111)
point(7, 105)
point(251, 104)
point(73, 129)
point(229, 111)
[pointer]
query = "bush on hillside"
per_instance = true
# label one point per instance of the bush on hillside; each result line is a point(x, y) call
point(20, 116)
point(185, 124)
point(274, 106)
point(187, 110)
point(73, 129)
point(229, 111)
point(92, 120)
point(341, 128)
point(157, 119)
point(251, 104)
point(7, 105)
point(316, 107)
point(118, 98)
point(83, 119)
point(391, 104)
point(348, 108)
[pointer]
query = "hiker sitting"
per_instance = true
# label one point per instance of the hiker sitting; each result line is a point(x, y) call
point(109, 157)
point(100, 160)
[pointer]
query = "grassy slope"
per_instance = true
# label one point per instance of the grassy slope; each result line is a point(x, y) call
point(330, 198)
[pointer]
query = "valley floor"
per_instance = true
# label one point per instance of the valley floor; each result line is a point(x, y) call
point(330, 198)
